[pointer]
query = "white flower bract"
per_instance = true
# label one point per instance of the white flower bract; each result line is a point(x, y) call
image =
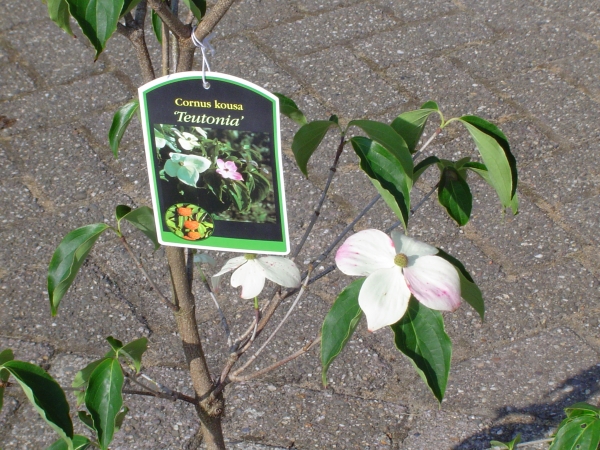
point(396, 268)
point(250, 273)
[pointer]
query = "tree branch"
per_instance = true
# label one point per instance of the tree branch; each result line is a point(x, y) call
point(170, 20)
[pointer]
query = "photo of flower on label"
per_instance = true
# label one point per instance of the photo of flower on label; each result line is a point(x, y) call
point(189, 222)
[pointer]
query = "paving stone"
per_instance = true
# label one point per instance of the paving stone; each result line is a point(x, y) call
point(454, 90)
point(583, 215)
point(28, 351)
point(415, 10)
point(558, 105)
point(319, 419)
point(414, 41)
point(313, 33)
point(483, 387)
point(64, 103)
point(509, 56)
point(511, 16)
point(62, 165)
point(76, 59)
point(586, 14)
point(351, 88)
point(320, 5)
point(581, 71)
point(263, 12)
point(239, 57)
point(13, 79)
point(16, 12)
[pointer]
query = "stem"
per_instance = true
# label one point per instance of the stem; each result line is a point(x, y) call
point(165, 49)
point(279, 363)
point(317, 211)
point(209, 408)
point(139, 265)
point(426, 144)
point(259, 351)
point(416, 207)
point(170, 20)
point(170, 395)
point(135, 33)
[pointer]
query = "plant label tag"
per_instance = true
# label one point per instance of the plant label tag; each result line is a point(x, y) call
point(214, 163)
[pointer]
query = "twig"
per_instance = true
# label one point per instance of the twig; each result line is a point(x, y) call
point(259, 351)
point(139, 265)
point(279, 363)
point(170, 20)
point(317, 210)
point(224, 323)
point(426, 144)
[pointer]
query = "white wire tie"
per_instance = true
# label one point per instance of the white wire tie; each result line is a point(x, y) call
point(204, 45)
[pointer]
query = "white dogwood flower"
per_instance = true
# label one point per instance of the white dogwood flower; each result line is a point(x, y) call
point(396, 268)
point(186, 167)
point(250, 273)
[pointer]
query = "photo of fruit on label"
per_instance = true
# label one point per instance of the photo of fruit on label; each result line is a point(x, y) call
point(214, 163)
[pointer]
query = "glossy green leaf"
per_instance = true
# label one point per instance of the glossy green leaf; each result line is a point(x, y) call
point(120, 122)
point(156, 25)
point(387, 137)
point(45, 395)
point(307, 139)
point(79, 443)
point(58, 10)
point(115, 344)
point(120, 418)
point(104, 399)
point(469, 291)
point(198, 7)
point(423, 166)
point(381, 165)
point(454, 195)
point(420, 335)
point(121, 211)
point(288, 108)
point(479, 169)
point(5, 355)
point(86, 419)
point(578, 432)
point(410, 124)
point(582, 409)
point(68, 259)
point(97, 19)
point(508, 445)
point(134, 351)
point(82, 377)
point(143, 219)
point(339, 325)
point(497, 157)
point(128, 5)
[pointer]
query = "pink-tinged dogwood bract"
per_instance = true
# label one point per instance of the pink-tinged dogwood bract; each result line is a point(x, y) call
point(228, 170)
point(250, 273)
point(395, 268)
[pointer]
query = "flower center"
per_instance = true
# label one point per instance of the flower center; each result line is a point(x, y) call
point(401, 260)
point(250, 256)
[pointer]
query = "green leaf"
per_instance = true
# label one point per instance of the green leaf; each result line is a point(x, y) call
point(128, 5)
point(388, 138)
point(97, 19)
point(578, 432)
point(479, 169)
point(497, 157)
point(156, 26)
point(508, 445)
point(58, 10)
point(5, 355)
point(120, 418)
point(454, 195)
point(104, 399)
point(423, 165)
point(307, 139)
point(288, 108)
point(339, 325)
point(582, 409)
point(134, 351)
point(381, 165)
point(469, 291)
point(86, 419)
point(420, 335)
point(143, 219)
point(83, 376)
point(120, 122)
point(198, 7)
point(115, 344)
point(261, 189)
point(45, 395)
point(68, 259)
point(121, 211)
point(79, 443)
point(410, 124)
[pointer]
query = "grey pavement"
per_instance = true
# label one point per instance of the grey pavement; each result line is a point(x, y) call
point(531, 66)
